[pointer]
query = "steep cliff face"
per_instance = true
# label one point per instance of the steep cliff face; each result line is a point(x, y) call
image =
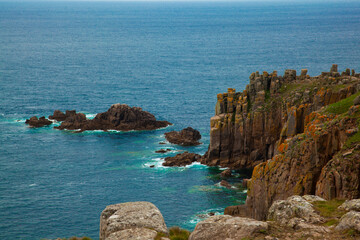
point(309, 163)
point(249, 126)
point(298, 133)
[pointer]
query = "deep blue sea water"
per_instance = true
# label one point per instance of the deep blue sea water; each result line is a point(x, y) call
point(171, 59)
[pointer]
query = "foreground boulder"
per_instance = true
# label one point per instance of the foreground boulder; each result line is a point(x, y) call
point(118, 117)
point(295, 212)
point(35, 122)
point(223, 227)
point(181, 159)
point(185, 137)
point(351, 205)
point(350, 220)
point(131, 220)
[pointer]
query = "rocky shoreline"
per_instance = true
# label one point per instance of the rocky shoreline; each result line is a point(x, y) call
point(300, 136)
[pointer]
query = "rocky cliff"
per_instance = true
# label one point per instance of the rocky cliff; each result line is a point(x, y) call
point(249, 126)
point(299, 133)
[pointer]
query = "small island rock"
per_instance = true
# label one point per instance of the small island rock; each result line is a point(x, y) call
point(185, 137)
point(35, 122)
point(181, 159)
point(118, 117)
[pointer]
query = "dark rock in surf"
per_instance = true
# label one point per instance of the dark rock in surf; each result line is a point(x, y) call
point(118, 117)
point(35, 122)
point(185, 137)
point(181, 159)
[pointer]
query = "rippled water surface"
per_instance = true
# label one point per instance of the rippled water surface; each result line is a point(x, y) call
point(171, 59)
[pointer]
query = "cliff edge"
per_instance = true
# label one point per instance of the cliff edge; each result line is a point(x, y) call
point(298, 133)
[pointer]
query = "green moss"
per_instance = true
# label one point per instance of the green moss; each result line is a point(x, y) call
point(341, 106)
point(175, 233)
point(289, 87)
point(353, 139)
point(352, 233)
point(331, 222)
point(329, 209)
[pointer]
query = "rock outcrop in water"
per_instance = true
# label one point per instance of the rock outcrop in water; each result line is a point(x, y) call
point(299, 133)
point(181, 159)
point(38, 122)
point(60, 116)
point(119, 117)
point(186, 137)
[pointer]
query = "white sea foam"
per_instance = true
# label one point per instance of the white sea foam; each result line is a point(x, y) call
point(90, 115)
point(200, 216)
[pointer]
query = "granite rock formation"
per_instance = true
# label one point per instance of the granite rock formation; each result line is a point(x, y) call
point(300, 134)
point(222, 227)
point(249, 126)
point(181, 159)
point(35, 122)
point(60, 116)
point(118, 117)
point(186, 137)
point(131, 220)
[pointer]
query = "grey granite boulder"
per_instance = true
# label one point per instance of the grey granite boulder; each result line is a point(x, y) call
point(223, 227)
point(131, 215)
point(350, 220)
point(297, 207)
point(133, 234)
point(351, 205)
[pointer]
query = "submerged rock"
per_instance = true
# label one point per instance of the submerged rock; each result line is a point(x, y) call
point(118, 117)
point(185, 137)
point(131, 220)
point(35, 122)
point(163, 150)
point(181, 159)
point(221, 227)
point(226, 173)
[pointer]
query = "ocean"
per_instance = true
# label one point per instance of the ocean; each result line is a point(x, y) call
point(169, 58)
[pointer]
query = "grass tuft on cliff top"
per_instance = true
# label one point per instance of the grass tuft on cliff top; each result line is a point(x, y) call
point(341, 106)
point(329, 209)
point(175, 233)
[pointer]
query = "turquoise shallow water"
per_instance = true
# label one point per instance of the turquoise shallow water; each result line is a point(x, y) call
point(171, 59)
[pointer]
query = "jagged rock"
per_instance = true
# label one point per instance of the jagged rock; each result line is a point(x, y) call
point(237, 210)
point(350, 220)
point(223, 227)
point(248, 126)
point(133, 234)
point(130, 215)
point(351, 205)
point(35, 122)
point(118, 117)
point(185, 137)
point(226, 173)
point(163, 150)
point(181, 159)
point(60, 116)
point(334, 68)
point(295, 207)
point(313, 198)
point(225, 184)
point(245, 182)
